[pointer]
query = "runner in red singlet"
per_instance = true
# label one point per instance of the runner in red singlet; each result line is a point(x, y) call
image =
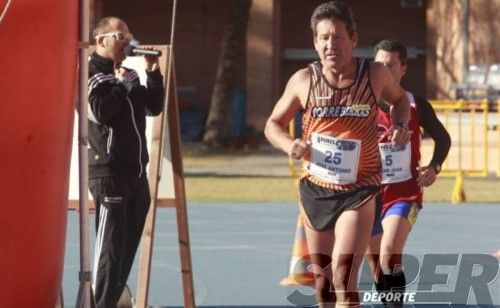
point(402, 178)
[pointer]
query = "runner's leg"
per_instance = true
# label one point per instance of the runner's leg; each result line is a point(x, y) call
point(352, 234)
point(320, 246)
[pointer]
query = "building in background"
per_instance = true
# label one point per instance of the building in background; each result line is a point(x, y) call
point(279, 40)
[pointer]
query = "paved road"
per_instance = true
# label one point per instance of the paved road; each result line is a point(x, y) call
point(240, 252)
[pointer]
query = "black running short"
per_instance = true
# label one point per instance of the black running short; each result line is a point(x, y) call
point(323, 206)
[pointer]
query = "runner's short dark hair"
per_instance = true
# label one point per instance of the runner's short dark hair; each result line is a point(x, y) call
point(334, 10)
point(392, 45)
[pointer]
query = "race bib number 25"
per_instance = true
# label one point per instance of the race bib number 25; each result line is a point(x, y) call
point(334, 160)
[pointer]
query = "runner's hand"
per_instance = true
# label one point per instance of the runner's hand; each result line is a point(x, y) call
point(298, 148)
point(426, 176)
point(401, 136)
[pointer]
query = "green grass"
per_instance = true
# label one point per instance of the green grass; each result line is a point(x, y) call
point(232, 188)
point(477, 190)
point(284, 189)
point(241, 189)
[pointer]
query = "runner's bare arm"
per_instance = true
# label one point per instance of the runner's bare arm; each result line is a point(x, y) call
point(386, 88)
point(293, 99)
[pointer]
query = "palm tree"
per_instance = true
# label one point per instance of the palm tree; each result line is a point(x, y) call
point(230, 73)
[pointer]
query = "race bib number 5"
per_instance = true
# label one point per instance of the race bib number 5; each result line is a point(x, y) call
point(334, 160)
point(396, 163)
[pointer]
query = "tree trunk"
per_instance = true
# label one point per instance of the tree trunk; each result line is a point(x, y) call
point(230, 73)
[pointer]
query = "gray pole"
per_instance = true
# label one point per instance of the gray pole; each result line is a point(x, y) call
point(85, 298)
point(465, 37)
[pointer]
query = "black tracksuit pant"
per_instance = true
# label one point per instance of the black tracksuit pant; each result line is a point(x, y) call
point(122, 204)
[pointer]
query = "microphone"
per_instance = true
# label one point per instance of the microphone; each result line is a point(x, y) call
point(134, 51)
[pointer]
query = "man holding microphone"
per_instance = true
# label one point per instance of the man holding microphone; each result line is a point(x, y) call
point(118, 106)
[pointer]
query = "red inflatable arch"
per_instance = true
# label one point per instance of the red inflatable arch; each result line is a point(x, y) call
point(38, 60)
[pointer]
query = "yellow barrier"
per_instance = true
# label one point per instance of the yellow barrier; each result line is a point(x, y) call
point(469, 136)
point(468, 155)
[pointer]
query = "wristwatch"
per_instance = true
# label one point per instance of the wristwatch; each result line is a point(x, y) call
point(436, 167)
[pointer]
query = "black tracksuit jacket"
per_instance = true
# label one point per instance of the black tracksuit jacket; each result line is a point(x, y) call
point(117, 119)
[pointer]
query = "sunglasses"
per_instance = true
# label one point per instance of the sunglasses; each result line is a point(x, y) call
point(119, 36)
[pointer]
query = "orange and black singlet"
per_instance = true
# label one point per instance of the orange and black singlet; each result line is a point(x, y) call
point(341, 123)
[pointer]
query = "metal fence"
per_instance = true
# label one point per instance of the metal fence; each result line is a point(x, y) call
point(475, 134)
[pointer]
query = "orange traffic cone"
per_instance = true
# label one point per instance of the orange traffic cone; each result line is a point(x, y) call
point(298, 273)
